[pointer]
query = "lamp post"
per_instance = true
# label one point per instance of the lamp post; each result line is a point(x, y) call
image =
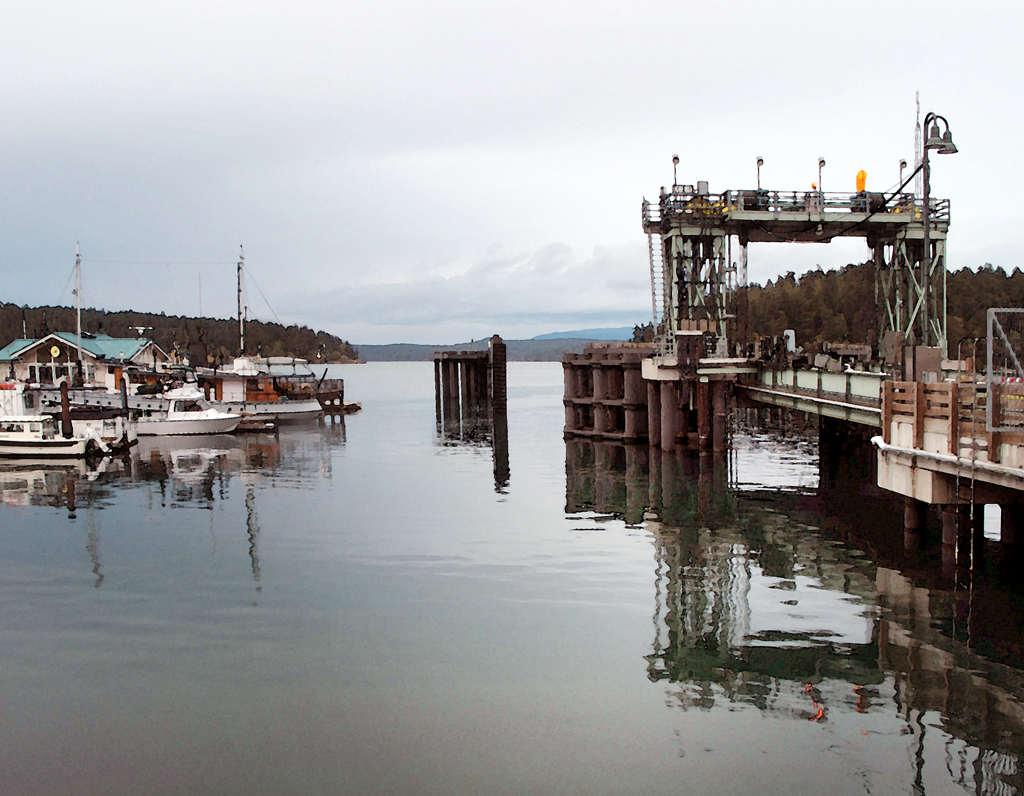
point(821, 165)
point(760, 163)
point(945, 146)
point(675, 179)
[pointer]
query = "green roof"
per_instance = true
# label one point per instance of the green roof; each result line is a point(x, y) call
point(101, 346)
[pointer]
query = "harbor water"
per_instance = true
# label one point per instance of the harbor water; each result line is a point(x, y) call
point(379, 606)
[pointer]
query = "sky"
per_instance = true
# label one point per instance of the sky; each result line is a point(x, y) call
point(440, 172)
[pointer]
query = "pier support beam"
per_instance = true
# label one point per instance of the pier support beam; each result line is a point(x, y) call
point(914, 523)
point(718, 427)
point(669, 415)
point(704, 415)
point(654, 413)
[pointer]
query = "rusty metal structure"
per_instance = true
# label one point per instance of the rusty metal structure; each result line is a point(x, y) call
point(698, 240)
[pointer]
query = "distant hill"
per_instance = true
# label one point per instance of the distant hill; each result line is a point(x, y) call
point(535, 350)
point(204, 339)
point(616, 333)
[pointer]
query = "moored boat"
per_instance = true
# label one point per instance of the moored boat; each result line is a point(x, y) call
point(37, 436)
point(264, 389)
point(186, 412)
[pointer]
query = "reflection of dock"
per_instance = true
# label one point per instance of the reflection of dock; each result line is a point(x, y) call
point(760, 604)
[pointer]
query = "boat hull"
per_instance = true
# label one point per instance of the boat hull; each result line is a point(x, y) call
point(278, 411)
point(150, 427)
point(43, 449)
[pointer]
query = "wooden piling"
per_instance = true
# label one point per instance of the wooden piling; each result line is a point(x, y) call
point(719, 417)
point(653, 413)
point(669, 415)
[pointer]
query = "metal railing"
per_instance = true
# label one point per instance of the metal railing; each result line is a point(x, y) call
point(682, 200)
point(1004, 371)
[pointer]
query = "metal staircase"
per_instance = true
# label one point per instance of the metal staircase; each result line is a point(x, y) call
point(656, 252)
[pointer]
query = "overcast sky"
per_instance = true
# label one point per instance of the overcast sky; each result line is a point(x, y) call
point(434, 172)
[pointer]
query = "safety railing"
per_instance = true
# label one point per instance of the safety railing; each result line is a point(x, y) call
point(683, 200)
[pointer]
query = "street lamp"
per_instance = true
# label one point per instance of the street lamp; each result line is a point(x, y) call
point(760, 163)
point(944, 146)
point(675, 180)
point(821, 165)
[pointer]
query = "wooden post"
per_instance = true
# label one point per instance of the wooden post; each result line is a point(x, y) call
point(669, 415)
point(954, 418)
point(653, 413)
point(996, 397)
point(919, 405)
point(569, 393)
point(887, 388)
point(450, 380)
point(467, 405)
point(65, 411)
point(499, 378)
point(720, 417)
point(437, 389)
point(704, 419)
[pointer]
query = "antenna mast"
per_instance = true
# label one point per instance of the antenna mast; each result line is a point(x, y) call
point(241, 317)
point(919, 179)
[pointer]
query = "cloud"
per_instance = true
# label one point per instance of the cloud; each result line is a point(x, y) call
point(510, 293)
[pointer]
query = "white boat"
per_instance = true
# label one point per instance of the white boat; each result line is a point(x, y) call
point(186, 412)
point(37, 436)
point(27, 432)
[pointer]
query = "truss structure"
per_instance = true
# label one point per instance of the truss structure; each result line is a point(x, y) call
point(698, 257)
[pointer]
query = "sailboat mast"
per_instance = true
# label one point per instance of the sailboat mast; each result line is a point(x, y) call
point(241, 317)
point(78, 299)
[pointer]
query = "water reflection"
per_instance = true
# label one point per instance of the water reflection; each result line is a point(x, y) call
point(764, 601)
point(69, 484)
point(480, 427)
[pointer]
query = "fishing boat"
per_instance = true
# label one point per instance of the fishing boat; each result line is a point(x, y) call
point(281, 389)
point(37, 436)
point(185, 410)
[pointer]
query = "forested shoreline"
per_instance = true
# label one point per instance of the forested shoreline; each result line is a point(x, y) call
point(840, 305)
point(819, 306)
point(202, 339)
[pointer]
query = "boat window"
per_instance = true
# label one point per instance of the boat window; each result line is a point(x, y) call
point(35, 428)
point(190, 406)
point(11, 428)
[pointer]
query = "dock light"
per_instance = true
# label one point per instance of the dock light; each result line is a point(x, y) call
point(675, 162)
point(760, 163)
point(821, 165)
point(903, 165)
point(945, 146)
point(862, 180)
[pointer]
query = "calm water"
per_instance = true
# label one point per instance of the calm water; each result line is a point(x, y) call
point(372, 609)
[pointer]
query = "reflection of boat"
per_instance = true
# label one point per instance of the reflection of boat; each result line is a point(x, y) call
point(37, 481)
point(37, 436)
point(187, 412)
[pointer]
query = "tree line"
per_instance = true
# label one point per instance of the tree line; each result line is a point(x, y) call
point(202, 340)
point(837, 306)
